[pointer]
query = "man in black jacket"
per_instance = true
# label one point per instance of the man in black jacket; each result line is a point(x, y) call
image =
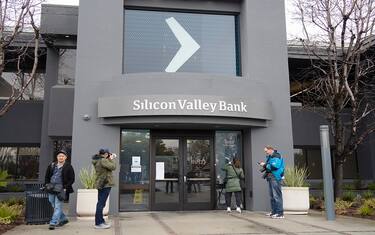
point(59, 174)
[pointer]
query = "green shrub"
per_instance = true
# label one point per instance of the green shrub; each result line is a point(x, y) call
point(371, 186)
point(370, 203)
point(15, 188)
point(3, 178)
point(368, 195)
point(348, 186)
point(349, 196)
point(14, 201)
point(87, 178)
point(342, 206)
point(8, 214)
point(365, 210)
point(295, 177)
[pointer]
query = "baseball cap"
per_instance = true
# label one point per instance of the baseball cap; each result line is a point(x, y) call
point(103, 150)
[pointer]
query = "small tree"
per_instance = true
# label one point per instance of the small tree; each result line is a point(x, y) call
point(338, 38)
point(16, 18)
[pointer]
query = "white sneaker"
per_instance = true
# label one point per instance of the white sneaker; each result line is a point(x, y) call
point(269, 214)
point(228, 209)
point(102, 226)
point(238, 210)
point(277, 216)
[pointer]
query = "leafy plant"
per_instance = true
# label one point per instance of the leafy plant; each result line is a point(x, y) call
point(295, 177)
point(342, 206)
point(349, 196)
point(14, 201)
point(348, 186)
point(15, 188)
point(3, 178)
point(370, 203)
point(88, 178)
point(371, 186)
point(8, 214)
point(368, 195)
point(365, 210)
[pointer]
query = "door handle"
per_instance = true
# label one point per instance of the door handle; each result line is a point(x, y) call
point(184, 178)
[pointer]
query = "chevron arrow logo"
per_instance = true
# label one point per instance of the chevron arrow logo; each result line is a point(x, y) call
point(188, 46)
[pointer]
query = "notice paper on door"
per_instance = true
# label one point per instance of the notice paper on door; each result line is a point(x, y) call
point(159, 170)
point(136, 164)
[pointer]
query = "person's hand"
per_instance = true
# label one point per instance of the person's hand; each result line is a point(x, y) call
point(262, 164)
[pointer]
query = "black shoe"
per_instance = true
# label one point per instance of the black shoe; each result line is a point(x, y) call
point(51, 227)
point(62, 223)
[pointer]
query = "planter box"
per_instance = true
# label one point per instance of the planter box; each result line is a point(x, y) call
point(86, 203)
point(296, 200)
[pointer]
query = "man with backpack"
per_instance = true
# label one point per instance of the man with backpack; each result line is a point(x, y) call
point(274, 167)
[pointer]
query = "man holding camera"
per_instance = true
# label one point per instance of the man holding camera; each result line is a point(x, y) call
point(104, 166)
point(274, 172)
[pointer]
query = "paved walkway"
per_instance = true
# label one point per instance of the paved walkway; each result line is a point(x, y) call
point(209, 223)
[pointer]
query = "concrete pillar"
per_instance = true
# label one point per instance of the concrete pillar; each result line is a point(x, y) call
point(264, 59)
point(51, 76)
point(100, 38)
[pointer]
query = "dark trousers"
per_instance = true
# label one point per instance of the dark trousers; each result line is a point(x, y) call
point(276, 196)
point(102, 199)
point(228, 198)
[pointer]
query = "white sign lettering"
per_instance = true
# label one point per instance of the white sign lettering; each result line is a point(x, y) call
point(194, 104)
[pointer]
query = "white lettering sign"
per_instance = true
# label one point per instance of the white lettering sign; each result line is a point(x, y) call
point(194, 104)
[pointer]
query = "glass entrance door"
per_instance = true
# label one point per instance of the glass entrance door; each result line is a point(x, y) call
point(182, 172)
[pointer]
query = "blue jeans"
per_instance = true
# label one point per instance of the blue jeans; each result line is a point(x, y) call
point(276, 196)
point(102, 199)
point(58, 214)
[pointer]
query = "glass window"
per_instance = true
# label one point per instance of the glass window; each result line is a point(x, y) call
point(67, 65)
point(227, 145)
point(28, 163)
point(150, 42)
point(299, 158)
point(134, 171)
point(21, 163)
point(8, 161)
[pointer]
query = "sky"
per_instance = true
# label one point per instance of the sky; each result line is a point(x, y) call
point(293, 29)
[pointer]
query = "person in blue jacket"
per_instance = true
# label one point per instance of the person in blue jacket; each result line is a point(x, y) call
point(274, 167)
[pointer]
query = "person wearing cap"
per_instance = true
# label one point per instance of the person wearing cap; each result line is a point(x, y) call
point(234, 173)
point(59, 172)
point(104, 166)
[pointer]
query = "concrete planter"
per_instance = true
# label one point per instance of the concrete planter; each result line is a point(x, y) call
point(86, 203)
point(296, 200)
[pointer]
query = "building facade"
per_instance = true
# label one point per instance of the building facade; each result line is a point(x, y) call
point(176, 89)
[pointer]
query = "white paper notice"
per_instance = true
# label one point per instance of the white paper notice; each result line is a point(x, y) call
point(136, 164)
point(159, 170)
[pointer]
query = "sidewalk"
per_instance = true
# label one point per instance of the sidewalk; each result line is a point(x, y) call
point(210, 223)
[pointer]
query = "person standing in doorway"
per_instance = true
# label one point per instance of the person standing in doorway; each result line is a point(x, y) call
point(274, 168)
point(104, 166)
point(59, 179)
point(234, 174)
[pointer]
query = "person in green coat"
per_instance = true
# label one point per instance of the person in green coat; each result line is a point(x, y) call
point(104, 165)
point(234, 173)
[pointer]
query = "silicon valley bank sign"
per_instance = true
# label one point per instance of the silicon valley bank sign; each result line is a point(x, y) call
point(183, 105)
point(192, 105)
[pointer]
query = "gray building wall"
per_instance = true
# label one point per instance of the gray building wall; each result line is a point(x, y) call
point(264, 57)
point(60, 117)
point(22, 124)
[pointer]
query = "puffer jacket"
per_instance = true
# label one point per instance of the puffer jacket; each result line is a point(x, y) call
point(103, 168)
point(275, 165)
point(233, 181)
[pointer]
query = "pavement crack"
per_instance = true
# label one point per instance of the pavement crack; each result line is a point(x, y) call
point(168, 229)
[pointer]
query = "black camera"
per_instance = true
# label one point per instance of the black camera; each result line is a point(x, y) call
point(263, 170)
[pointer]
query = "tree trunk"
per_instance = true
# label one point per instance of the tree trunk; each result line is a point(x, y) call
point(339, 176)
